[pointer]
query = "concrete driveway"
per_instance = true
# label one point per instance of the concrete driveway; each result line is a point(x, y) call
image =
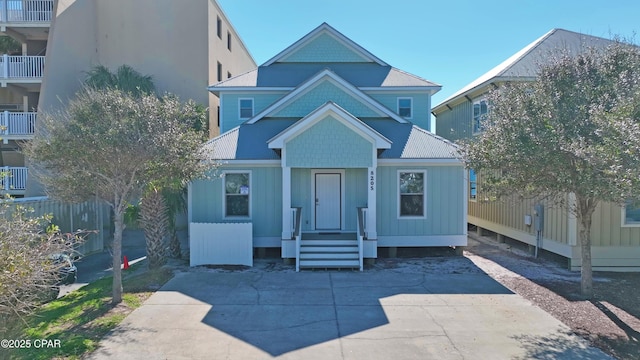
point(402, 313)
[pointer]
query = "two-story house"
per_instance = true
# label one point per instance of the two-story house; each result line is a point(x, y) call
point(325, 152)
point(615, 230)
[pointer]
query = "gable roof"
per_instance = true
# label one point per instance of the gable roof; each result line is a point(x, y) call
point(326, 29)
point(329, 109)
point(327, 75)
point(524, 65)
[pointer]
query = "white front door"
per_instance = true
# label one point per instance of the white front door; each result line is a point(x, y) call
point(328, 205)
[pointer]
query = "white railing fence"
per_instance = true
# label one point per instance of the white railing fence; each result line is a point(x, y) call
point(26, 10)
point(17, 123)
point(20, 67)
point(13, 178)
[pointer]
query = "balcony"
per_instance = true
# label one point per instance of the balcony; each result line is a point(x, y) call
point(21, 70)
point(26, 11)
point(17, 125)
point(13, 180)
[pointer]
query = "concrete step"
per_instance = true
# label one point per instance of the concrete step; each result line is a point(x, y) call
point(325, 264)
point(329, 256)
point(329, 242)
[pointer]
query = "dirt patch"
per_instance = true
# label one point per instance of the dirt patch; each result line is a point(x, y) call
point(610, 321)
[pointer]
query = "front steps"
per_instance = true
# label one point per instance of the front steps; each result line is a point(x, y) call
point(329, 254)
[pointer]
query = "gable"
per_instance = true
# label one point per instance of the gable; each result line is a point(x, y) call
point(324, 48)
point(319, 95)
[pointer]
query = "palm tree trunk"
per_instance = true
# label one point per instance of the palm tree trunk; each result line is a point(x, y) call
point(153, 219)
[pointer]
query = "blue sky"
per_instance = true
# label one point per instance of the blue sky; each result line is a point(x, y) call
point(449, 42)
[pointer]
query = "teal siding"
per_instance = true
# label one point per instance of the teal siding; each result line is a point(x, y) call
point(444, 198)
point(229, 112)
point(329, 144)
point(355, 195)
point(324, 48)
point(421, 105)
point(319, 95)
point(455, 124)
point(266, 200)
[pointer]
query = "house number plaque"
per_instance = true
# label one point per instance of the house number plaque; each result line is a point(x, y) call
point(372, 180)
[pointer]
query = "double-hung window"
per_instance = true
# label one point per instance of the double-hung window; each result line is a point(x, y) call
point(237, 194)
point(246, 108)
point(411, 193)
point(405, 107)
point(631, 214)
point(480, 112)
point(473, 185)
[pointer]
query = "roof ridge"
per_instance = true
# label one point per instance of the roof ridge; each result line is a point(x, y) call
point(232, 78)
point(414, 75)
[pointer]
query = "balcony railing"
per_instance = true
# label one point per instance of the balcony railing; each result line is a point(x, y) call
point(21, 67)
point(26, 11)
point(13, 179)
point(17, 124)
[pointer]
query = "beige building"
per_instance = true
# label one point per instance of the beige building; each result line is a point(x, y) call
point(184, 45)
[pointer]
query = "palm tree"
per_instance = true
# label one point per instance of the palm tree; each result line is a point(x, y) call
point(124, 79)
point(154, 221)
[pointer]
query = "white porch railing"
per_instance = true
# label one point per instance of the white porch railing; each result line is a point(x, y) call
point(296, 213)
point(21, 67)
point(26, 10)
point(361, 231)
point(13, 178)
point(17, 123)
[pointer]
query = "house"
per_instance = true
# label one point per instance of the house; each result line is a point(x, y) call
point(325, 153)
point(615, 231)
point(185, 46)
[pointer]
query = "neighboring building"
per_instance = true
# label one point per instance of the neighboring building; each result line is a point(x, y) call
point(184, 45)
point(615, 231)
point(325, 153)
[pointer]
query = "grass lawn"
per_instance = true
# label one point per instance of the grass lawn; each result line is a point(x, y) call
point(80, 319)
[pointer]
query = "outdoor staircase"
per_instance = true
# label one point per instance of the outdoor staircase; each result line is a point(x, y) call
point(319, 251)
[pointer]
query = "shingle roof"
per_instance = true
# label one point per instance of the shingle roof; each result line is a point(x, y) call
point(525, 63)
point(293, 74)
point(249, 141)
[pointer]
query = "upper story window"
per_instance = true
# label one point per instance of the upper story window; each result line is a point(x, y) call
point(237, 194)
point(631, 214)
point(411, 194)
point(228, 75)
point(480, 112)
point(245, 107)
point(405, 107)
point(219, 71)
point(473, 185)
point(229, 41)
point(219, 27)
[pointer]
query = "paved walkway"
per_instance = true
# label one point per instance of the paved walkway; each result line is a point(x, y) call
point(379, 314)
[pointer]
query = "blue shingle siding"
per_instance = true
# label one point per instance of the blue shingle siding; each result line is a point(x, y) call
point(230, 114)
point(319, 95)
point(329, 144)
point(324, 48)
point(421, 105)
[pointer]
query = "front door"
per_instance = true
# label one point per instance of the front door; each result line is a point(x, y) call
point(328, 201)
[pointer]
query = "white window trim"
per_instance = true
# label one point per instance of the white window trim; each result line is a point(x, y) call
point(477, 101)
point(623, 216)
point(424, 194)
point(469, 186)
point(253, 110)
point(224, 194)
point(398, 107)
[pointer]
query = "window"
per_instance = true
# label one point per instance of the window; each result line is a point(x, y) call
point(237, 194)
point(405, 107)
point(229, 41)
point(473, 185)
point(219, 71)
point(228, 75)
point(246, 108)
point(219, 27)
point(411, 202)
point(631, 213)
point(480, 111)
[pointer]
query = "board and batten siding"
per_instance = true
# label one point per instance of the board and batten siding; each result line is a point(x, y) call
point(444, 191)
point(455, 124)
point(266, 200)
point(229, 107)
point(607, 229)
point(355, 195)
point(421, 103)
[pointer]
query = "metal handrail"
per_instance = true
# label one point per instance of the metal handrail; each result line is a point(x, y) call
point(297, 212)
point(361, 235)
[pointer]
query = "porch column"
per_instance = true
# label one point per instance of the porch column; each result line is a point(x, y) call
point(372, 189)
point(286, 203)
